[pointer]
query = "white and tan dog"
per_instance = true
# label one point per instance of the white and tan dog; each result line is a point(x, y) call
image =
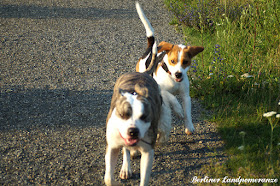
point(132, 123)
point(137, 114)
point(171, 75)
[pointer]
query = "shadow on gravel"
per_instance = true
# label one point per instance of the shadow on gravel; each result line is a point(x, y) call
point(37, 12)
point(25, 109)
point(58, 137)
point(52, 136)
point(181, 150)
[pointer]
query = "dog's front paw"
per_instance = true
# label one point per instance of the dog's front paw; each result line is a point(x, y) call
point(189, 131)
point(125, 174)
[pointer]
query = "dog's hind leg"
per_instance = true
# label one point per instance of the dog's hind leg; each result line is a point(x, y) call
point(126, 172)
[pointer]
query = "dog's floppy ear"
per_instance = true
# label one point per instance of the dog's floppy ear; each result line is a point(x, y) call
point(143, 91)
point(164, 46)
point(193, 50)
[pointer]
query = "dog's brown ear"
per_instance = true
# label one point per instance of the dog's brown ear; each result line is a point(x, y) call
point(193, 50)
point(142, 91)
point(164, 46)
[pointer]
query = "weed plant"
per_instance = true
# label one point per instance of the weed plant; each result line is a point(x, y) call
point(237, 76)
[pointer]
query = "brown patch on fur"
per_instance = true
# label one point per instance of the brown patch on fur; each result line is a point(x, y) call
point(123, 108)
point(194, 50)
point(137, 66)
point(185, 59)
point(164, 46)
point(174, 50)
point(142, 91)
point(188, 53)
point(173, 55)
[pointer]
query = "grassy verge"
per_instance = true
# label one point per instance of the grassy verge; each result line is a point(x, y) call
point(238, 77)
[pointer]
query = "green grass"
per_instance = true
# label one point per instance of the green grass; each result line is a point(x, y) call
point(239, 37)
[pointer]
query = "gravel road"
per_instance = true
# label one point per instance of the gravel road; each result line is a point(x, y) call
point(59, 62)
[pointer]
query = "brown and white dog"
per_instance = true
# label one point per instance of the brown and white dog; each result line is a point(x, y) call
point(132, 123)
point(136, 115)
point(171, 75)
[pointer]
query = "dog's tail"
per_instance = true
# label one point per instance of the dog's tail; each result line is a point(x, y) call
point(150, 56)
point(147, 25)
point(151, 68)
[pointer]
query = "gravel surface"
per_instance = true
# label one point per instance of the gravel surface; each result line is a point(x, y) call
point(59, 62)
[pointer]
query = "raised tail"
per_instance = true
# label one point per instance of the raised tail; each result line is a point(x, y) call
point(147, 24)
point(149, 58)
point(152, 66)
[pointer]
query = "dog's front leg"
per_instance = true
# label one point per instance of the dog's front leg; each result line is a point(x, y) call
point(146, 166)
point(126, 170)
point(111, 158)
point(189, 128)
point(187, 106)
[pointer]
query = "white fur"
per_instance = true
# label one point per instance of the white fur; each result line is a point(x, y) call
point(154, 50)
point(142, 63)
point(111, 158)
point(134, 120)
point(126, 171)
point(145, 21)
point(167, 82)
point(117, 126)
point(165, 117)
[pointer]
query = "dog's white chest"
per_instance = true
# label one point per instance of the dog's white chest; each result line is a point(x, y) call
point(166, 82)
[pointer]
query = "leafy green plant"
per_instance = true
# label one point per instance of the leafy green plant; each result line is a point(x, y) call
point(237, 75)
point(273, 121)
point(204, 14)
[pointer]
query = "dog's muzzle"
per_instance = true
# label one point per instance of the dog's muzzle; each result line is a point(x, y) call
point(133, 136)
point(178, 76)
point(133, 132)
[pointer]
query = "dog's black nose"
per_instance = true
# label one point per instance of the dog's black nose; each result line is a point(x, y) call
point(178, 75)
point(133, 132)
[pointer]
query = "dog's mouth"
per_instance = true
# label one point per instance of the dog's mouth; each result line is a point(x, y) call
point(178, 79)
point(130, 141)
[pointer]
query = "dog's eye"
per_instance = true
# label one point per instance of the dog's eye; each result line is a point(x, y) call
point(144, 117)
point(125, 115)
point(185, 62)
point(172, 61)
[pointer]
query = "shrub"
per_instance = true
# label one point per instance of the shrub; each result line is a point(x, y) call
point(204, 13)
point(237, 75)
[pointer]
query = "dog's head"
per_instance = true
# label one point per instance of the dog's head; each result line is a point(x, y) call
point(132, 115)
point(178, 58)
